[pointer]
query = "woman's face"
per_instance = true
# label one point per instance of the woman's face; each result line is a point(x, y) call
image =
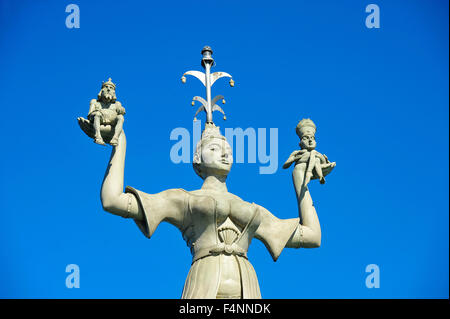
point(217, 157)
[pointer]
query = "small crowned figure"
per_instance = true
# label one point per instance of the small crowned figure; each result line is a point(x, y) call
point(105, 117)
point(315, 165)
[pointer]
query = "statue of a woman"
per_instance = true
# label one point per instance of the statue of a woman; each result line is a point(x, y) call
point(217, 226)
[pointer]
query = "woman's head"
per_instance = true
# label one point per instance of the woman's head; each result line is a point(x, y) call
point(213, 154)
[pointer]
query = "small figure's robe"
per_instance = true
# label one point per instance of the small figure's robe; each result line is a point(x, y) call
point(197, 220)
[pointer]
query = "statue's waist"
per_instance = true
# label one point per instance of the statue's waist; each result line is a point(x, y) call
point(218, 249)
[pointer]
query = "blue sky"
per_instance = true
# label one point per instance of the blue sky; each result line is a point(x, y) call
point(378, 96)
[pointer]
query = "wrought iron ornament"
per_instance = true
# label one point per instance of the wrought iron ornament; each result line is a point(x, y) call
point(208, 79)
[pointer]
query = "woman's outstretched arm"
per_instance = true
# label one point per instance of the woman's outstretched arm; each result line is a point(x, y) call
point(308, 233)
point(113, 198)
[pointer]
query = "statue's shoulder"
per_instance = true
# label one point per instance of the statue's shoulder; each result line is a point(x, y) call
point(119, 108)
point(321, 156)
point(236, 198)
point(174, 199)
point(194, 192)
point(236, 201)
point(216, 195)
point(201, 193)
point(171, 194)
point(94, 105)
point(174, 193)
point(117, 105)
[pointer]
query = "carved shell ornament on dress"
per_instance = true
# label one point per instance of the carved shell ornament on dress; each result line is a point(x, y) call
point(228, 233)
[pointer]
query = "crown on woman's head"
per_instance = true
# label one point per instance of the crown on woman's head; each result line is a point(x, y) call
point(211, 131)
point(304, 126)
point(109, 82)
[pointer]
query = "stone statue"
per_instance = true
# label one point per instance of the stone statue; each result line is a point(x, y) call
point(217, 225)
point(104, 111)
point(315, 165)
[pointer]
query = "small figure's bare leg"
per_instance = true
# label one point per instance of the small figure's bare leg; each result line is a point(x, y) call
point(98, 137)
point(298, 175)
point(117, 130)
point(318, 168)
point(309, 170)
point(308, 178)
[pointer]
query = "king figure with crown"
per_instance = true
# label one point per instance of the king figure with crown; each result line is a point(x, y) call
point(217, 226)
point(105, 114)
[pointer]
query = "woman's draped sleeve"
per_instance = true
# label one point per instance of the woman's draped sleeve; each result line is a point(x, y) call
point(275, 232)
point(169, 205)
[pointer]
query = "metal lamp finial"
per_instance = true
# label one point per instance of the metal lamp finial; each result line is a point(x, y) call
point(209, 105)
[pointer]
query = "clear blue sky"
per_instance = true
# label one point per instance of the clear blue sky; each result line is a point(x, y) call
point(378, 96)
